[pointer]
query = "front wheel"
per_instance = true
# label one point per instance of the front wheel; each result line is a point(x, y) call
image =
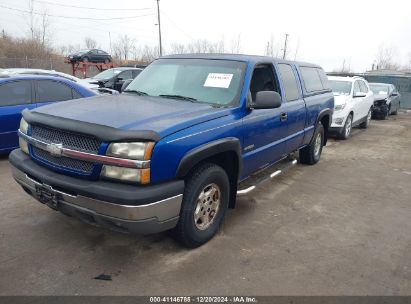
point(311, 154)
point(366, 123)
point(85, 59)
point(205, 202)
point(346, 131)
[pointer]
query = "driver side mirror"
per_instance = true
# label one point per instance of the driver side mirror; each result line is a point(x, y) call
point(267, 100)
point(359, 94)
point(125, 84)
point(394, 94)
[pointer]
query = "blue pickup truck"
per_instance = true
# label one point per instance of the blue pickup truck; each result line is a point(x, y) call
point(176, 148)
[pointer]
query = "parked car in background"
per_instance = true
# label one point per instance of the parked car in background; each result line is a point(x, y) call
point(114, 78)
point(29, 92)
point(174, 150)
point(24, 71)
point(353, 104)
point(90, 55)
point(386, 99)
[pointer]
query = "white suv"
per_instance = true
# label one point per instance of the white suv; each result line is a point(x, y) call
point(353, 104)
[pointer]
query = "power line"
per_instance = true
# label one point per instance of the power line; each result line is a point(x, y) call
point(70, 17)
point(95, 8)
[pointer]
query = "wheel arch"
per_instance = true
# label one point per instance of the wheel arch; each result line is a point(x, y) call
point(225, 152)
point(325, 117)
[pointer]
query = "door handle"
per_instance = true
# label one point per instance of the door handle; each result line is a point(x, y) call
point(283, 116)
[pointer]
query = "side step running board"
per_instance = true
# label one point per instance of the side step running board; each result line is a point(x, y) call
point(266, 178)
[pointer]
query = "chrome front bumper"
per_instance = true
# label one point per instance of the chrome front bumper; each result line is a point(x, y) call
point(150, 218)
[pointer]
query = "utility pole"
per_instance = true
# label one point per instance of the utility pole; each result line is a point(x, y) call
point(159, 27)
point(109, 37)
point(285, 46)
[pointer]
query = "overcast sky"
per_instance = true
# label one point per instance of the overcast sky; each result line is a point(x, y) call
point(320, 31)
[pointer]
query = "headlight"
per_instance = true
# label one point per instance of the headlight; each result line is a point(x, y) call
point(141, 176)
point(136, 150)
point(340, 107)
point(24, 126)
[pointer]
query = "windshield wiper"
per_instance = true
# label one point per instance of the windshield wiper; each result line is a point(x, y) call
point(178, 97)
point(141, 93)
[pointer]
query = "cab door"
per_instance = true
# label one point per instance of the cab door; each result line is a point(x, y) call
point(264, 129)
point(15, 96)
point(294, 108)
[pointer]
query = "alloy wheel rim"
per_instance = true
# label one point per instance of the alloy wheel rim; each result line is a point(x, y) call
point(369, 117)
point(348, 127)
point(317, 145)
point(208, 204)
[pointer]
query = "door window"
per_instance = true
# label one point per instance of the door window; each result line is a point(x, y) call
point(48, 91)
point(312, 79)
point(363, 87)
point(289, 81)
point(15, 93)
point(356, 88)
point(126, 75)
point(263, 80)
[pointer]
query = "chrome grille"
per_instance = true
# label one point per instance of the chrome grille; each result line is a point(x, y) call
point(69, 140)
point(65, 162)
point(73, 141)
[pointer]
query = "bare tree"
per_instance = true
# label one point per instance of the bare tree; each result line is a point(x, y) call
point(148, 54)
point(123, 47)
point(385, 58)
point(345, 67)
point(271, 49)
point(235, 46)
point(90, 43)
point(178, 48)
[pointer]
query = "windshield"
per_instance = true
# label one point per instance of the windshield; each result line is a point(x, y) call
point(379, 89)
point(196, 80)
point(341, 87)
point(107, 74)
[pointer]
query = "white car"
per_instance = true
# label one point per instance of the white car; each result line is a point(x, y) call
point(20, 71)
point(353, 104)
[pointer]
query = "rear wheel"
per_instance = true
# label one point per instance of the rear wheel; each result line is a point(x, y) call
point(346, 131)
point(311, 154)
point(106, 61)
point(86, 59)
point(366, 123)
point(205, 202)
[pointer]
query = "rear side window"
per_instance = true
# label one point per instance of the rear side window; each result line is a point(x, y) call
point(289, 82)
point(312, 80)
point(15, 93)
point(48, 91)
point(324, 79)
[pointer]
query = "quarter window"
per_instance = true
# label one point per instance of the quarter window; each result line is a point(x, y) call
point(312, 80)
point(289, 82)
point(15, 93)
point(48, 91)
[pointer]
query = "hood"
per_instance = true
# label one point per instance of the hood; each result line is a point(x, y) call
point(135, 113)
point(381, 96)
point(341, 99)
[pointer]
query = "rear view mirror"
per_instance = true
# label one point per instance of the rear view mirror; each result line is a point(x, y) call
point(359, 94)
point(267, 100)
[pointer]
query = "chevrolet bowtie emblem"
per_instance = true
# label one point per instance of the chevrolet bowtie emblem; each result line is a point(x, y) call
point(55, 149)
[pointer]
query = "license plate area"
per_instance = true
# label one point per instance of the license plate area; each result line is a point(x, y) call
point(48, 196)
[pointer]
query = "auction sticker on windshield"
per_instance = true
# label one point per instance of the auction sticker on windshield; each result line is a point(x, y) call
point(218, 80)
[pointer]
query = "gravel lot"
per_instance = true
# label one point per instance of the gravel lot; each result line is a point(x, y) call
point(341, 227)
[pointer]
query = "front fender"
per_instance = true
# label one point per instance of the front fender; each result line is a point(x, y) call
point(210, 149)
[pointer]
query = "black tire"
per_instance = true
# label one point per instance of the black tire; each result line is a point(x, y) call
point(309, 155)
point(385, 115)
point(86, 59)
point(366, 123)
point(346, 130)
point(187, 231)
point(107, 61)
